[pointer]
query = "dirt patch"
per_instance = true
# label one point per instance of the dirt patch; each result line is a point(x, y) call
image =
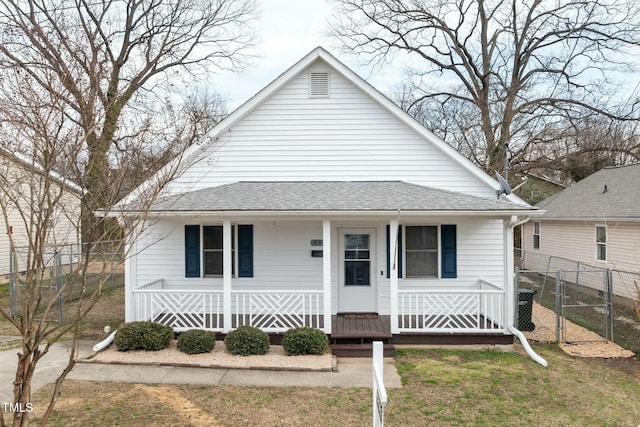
point(170, 396)
point(587, 343)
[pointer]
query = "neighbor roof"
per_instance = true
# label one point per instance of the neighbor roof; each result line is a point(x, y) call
point(334, 196)
point(613, 193)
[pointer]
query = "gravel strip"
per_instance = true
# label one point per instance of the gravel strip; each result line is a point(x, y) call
point(275, 359)
point(589, 344)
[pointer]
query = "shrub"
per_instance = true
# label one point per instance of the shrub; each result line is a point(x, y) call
point(148, 336)
point(196, 341)
point(299, 341)
point(247, 340)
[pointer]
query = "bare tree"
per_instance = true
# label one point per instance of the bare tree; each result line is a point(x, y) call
point(487, 73)
point(105, 59)
point(41, 156)
point(94, 97)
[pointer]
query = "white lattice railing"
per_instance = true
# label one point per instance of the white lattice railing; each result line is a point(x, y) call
point(277, 311)
point(180, 309)
point(446, 311)
point(271, 311)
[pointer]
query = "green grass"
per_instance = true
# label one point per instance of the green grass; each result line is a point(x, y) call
point(440, 388)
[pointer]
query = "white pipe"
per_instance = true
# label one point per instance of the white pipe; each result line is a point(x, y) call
point(105, 343)
point(527, 347)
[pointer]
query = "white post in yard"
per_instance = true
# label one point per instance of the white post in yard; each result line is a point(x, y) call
point(326, 275)
point(379, 392)
point(226, 274)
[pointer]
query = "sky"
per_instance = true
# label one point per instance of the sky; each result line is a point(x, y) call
point(287, 31)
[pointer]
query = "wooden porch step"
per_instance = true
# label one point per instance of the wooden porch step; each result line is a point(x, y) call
point(360, 350)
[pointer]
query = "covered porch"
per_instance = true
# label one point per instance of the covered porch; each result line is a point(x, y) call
point(436, 311)
point(325, 250)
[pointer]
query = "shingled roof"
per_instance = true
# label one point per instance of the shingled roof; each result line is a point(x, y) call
point(613, 193)
point(325, 196)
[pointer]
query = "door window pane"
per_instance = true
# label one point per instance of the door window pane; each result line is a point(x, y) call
point(357, 273)
point(357, 264)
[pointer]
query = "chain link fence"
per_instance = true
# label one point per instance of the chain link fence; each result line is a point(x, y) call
point(66, 273)
point(604, 301)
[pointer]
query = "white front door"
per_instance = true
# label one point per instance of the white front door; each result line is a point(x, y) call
point(357, 285)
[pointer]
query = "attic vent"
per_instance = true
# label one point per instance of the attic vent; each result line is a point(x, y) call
point(318, 84)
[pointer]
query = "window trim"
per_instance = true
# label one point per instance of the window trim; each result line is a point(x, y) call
point(538, 235)
point(604, 244)
point(437, 250)
point(234, 252)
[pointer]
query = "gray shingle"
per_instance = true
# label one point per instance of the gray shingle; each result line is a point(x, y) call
point(588, 199)
point(329, 196)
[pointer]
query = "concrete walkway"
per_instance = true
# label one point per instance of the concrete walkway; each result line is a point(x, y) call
point(352, 372)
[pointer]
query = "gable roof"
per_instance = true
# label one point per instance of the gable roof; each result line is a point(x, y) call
point(316, 54)
point(612, 193)
point(330, 196)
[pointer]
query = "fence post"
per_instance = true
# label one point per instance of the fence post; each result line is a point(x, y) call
point(558, 304)
point(58, 258)
point(12, 285)
point(379, 391)
point(516, 298)
point(610, 300)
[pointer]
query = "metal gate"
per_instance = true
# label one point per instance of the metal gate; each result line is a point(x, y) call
point(585, 298)
point(582, 297)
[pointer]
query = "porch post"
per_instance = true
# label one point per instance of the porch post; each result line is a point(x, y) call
point(326, 274)
point(509, 301)
point(130, 277)
point(393, 274)
point(226, 274)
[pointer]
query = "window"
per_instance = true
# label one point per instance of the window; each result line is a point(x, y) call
point(212, 250)
point(205, 245)
point(421, 251)
point(601, 243)
point(536, 235)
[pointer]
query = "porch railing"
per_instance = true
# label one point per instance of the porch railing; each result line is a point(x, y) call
point(271, 311)
point(180, 309)
point(452, 310)
point(277, 311)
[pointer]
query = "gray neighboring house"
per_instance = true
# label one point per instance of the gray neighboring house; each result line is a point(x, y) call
point(595, 221)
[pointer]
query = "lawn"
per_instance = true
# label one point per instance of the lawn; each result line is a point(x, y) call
point(441, 388)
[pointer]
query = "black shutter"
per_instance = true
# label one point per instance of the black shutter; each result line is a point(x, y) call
point(245, 250)
point(192, 251)
point(448, 247)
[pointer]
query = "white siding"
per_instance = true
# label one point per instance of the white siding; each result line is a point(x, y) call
point(282, 256)
point(21, 191)
point(575, 242)
point(347, 136)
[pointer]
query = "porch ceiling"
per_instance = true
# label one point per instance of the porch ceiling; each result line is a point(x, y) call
point(330, 196)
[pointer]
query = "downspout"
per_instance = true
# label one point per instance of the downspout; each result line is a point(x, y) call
point(105, 343)
point(523, 340)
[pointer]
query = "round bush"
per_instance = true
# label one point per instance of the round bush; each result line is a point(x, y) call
point(247, 340)
point(196, 341)
point(148, 336)
point(299, 341)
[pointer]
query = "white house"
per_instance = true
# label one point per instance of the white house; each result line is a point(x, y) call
point(323, 204)
point(28, 195)
point(595, 222)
